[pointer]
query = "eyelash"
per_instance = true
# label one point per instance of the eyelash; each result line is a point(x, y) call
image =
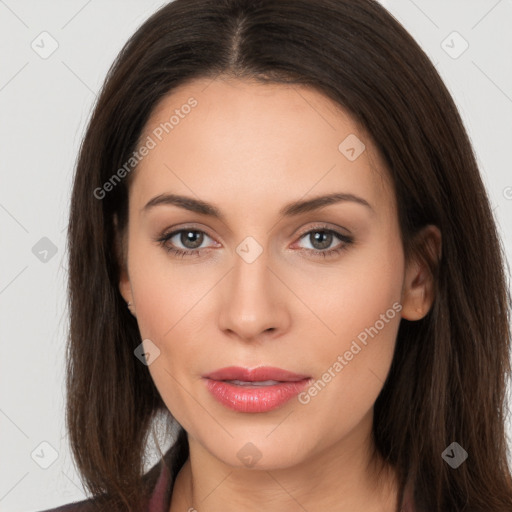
point(180, 253)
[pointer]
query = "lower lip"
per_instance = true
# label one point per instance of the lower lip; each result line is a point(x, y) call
point(254, 399)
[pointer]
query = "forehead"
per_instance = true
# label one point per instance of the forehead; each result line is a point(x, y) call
point(232, 141)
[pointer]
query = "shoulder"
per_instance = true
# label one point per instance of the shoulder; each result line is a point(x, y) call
point(158, 502)
point(88, 505)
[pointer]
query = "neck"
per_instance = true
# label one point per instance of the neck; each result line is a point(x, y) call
point(344, 478)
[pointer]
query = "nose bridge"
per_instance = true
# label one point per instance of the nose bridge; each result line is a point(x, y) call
point(251, 287)
point(250, 306)
point(250, 273)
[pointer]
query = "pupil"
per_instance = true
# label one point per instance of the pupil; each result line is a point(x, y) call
point(326, 243)
point(189, 236)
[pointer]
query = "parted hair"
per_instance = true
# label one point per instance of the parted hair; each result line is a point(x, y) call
point(448, 378)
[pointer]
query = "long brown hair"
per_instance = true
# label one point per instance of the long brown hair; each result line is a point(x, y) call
point(448, 377)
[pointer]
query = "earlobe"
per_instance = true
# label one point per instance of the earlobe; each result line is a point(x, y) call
point(418, 292)
point(124, 284)
point(125, 290)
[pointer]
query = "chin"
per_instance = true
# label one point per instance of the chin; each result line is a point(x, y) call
point(257, 452)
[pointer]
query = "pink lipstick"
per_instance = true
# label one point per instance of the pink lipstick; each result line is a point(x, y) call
point(260, 389)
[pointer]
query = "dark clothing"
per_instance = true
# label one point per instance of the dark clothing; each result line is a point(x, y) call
point(160, 499)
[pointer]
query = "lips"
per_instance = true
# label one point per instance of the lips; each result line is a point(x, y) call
point(260, 374)
point(255, 390)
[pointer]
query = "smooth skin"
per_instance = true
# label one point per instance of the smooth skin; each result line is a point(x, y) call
point(250, 149)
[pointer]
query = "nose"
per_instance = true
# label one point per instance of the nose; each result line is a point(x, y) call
point(253, 305)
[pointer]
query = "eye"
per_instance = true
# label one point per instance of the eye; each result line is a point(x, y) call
point(322, 238)
point(191, 239)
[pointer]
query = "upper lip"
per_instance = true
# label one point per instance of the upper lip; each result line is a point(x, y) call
point(258, 374)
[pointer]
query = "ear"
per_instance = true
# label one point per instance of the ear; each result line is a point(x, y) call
point(121, 255)
point(419, 287)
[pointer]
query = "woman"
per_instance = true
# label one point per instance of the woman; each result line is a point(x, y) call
point(364, 370)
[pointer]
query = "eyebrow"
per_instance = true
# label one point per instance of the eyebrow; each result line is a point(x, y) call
point(291, 209)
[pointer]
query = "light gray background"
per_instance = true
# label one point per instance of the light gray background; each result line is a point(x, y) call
point(45, 104)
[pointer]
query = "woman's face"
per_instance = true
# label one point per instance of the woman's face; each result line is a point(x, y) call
point(317, 290)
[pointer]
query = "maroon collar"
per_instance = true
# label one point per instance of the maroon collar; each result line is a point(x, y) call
point(160, 499)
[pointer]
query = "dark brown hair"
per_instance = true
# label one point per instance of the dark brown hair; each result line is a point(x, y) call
point(448, 377)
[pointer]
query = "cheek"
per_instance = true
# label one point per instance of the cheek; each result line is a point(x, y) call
point(350, 371)
point(166, 293)
point(352, 295)
point(360, 304)
point(169, 313)
point(365, 361)
point(171, 307)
